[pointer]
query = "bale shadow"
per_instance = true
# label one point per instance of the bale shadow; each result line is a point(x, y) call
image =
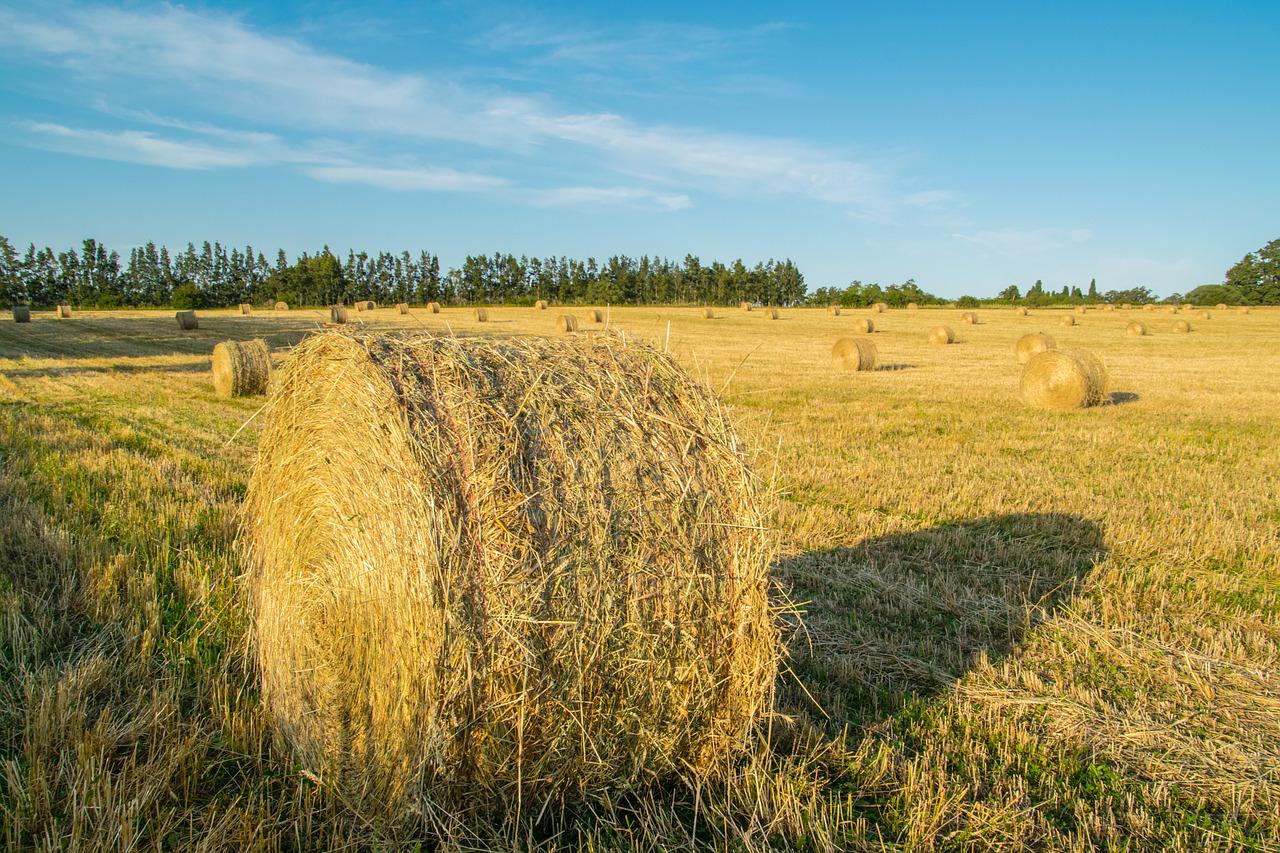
point(1119, 398)
point(901, 617)
point(896, 367)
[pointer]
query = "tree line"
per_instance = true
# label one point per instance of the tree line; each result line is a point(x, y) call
point(217, 276)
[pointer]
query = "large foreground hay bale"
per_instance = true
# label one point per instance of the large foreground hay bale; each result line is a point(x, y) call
point(941, 335)
point(187, 320)
point(1067, 320)
point(482, 315)
point(552, 585)
point(241, 368)
point(854, 354)
point(864, 325)
point(1028, 345)
point(22, 314)
point(567, 323)
point(1136, 328)
point(540, 305)
point(245, 308)
point(64, 312)
point(433, 307)
point(402, 307)
point(338, 314)
point(1064, 379)
point(969, 318)
point(1182, 326)
point(282, 306)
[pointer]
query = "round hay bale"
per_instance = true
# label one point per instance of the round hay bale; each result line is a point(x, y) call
point(1205, 315)
point(1136, 328)
point(540, 305)
point(1172, 309)
point(1067, 320)
point(911, 306)
point(366, 305)
point(1080, 309)
point(22, 314)
point(402, 307)
point(241, 368)
point(1125, 306)
point(1108, 307)
point(187, 320)
point(708, 313)
point(64, 312)
point(596, 315)
point(1187, 306)
point(771, 313)
point(338, 314)
point(941, 335)
point(245, 308)
point(969, 318)
point(1244, 309)
point(1222, 306)
point(1064, 379)
point(555, 586)
point(879, 308)
point(567, 323)
point(1028, 345)
point(746, 306)
point(433, 307)
point(864, 325)
point(482, 315)
point(1182, 326)
point(1148, 307)
point(282, 306)
point(1020, 311)
point(853, 354)
point(833, 310)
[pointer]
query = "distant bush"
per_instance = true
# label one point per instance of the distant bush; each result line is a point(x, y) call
point(186, 297)
point(968, 302)
point(110, 301)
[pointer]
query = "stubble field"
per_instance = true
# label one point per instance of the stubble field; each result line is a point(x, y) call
point(1017, 629)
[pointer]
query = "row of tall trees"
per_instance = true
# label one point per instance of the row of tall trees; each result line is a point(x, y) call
point(859, 295)
point(215, 275)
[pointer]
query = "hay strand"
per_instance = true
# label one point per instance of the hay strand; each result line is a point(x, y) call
point(1063, 379)
point(241, 368)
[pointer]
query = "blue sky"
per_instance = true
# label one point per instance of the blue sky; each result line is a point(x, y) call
point(969, 146)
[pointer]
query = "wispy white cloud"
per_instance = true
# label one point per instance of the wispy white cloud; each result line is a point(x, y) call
point(631, 196)
point(136, 146)
point(406, 179)
point(1026, 241)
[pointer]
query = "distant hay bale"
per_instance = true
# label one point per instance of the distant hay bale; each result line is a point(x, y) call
point(1020, 311)
point(282, 306)
point(1182, 326)
point(1222, 306)
point(241, 368)
point(555, 586)
point(1136, 328)
point(1244, 309)
point(1064, 379)
point(402, 307)
point(911, 306)
point(833, 310)
point(1108, 307)
point(64, 312)
point(1172, 309)
point(338, 314)
point(1205, 315)
point(1148, 307)
point(433, 307)
point(853, 354)
point(366, 305)
point(1125, 306)
point(540, 305)
point(246, 308)
point(567, 323)
point(1067, 320)
point(969, 318)
point(22, 314)
point(482, 315)
point(595, 315)
point(708, 313)
point(1028, 345)
point(879, 308)
point(941, 335)
point(771, 313)
point(1080, 309)
point(864, 325)
point(187, 320)
point(1187, 306)
point(745, 306)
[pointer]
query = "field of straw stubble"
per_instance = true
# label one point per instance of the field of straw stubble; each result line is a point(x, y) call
point(1018, 629)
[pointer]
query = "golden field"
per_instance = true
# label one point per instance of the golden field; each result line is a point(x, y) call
point(1017, 629)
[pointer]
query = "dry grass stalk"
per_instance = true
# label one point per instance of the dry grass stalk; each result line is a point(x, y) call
point(1067, 320)
point(567, 323)
point(402, 307)
point(864, 325)
point(1064, 379)
point(338, 314)
point(551, 587)
point(433, 307)
point(246, 308)
point(241, 368)
point(941, 335)
point(64, 312)
point(1182, 326)
point(1136, 328)
point(853, 354)
point(1028, 345)
point(21, 314)
point(482, 315)
point(969, 318)
point(282, 306)
point(187, 320)
point(540, 305)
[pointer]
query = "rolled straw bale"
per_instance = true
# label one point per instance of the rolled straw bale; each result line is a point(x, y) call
point(187, 320)
point(1182, 326)
point(708, 313)
point(596, 315)
point(22, 314)
point(433, 307)
point(282, 306)
point(1149, 307)
point(879, 308)
point(1222, 306)
point(366, 305)
point(338, 314)
point(771, 313)
point(1020, 311)
point(1205, 315)
point(64, 312)
point(1187, 306)
point(1080, 309)
point(567, 323)
point(1028, 345)
point(1172, 309)
point(1067, 320)
point(402, 307)
point(864, 325)
point(854, 354)
point(241, 368)
point(482, 315)
point(833, 310)
point(911, 306)
point(745, 306)
point(1244, 309)
point(1136, 328)
point(246, 308)
point(941, 335)
point(1125, 306)
point(540, 305)
point(555, 586)
point(969, 318)
point(1064, 379)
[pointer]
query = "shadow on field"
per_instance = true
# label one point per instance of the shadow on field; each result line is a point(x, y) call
point(900, 617)
point(896, 367)
point(1119, 398)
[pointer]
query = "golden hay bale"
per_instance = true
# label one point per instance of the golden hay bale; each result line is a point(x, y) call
point(1067, 320)
point(1187, 306)
point(1108, 307)
point(833, 310)
point(1182, 326)
point(1028, 345)
point(864, 325)
point(1205, 315)
point(241, 368)
point(771, 313)
point(366, 305)
point(482, 315)
point(338, 314)
point(1064, 379)
point(1136, 328)
point(245, 308)
point(1172, 309)
point(433, 307)
point(879, 308)
point(64, 312)
point(282, 306)
point(1148, 307)
point(402, 307)
point(1222, 306)
point(853, 354)
point(1082, 309)
point(540, 305)
point(187, 320)
point(911, 306)
point(22, 314)
point(745, 306)
point(1125, 306)
point(708, 313)
point(554, 586)
point(567, 323)
point(969, 318)
point(1020, 311)
point(941, 335)
point(1244, 309)
point(596, 315)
